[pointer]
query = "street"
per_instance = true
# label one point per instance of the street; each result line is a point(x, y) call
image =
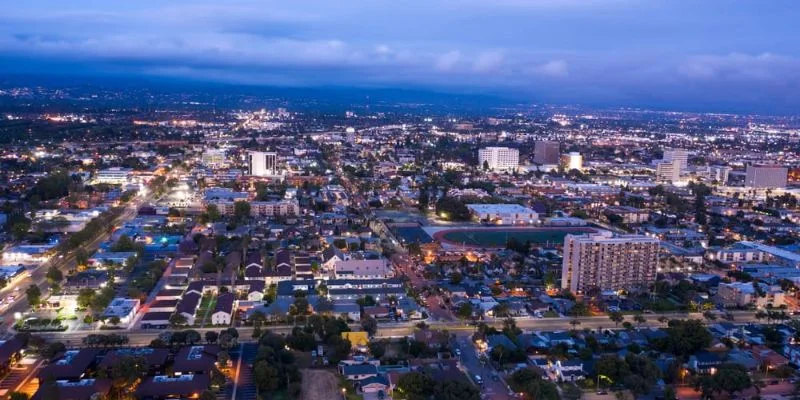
point(492, 387)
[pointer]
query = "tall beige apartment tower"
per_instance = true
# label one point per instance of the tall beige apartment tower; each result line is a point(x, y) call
point(609, 262)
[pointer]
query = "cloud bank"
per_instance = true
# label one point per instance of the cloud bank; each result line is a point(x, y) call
point(624, 51)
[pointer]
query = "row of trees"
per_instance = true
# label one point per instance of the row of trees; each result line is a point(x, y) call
point(421, 386)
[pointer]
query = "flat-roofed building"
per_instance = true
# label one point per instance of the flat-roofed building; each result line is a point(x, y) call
point(114, 176)
point(504, 214)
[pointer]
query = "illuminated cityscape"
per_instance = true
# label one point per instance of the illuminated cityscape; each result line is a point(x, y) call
point(500, 200)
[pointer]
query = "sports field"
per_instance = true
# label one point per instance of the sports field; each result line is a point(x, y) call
point(499, 236)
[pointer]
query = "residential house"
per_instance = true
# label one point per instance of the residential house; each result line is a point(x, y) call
point(223, 310)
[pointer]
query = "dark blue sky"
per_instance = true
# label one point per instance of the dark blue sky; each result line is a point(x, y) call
point(715, 55)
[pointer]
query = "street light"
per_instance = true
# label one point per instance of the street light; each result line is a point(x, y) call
point(344, 393)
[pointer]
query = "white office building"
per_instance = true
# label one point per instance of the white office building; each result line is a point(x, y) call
point(213, 158)
point(114, 176)
point(263, 163)
point(499, 158)
point(503, 214)
point(572, 160)
point(681, 156)
point(766, 176)
point(668, 171)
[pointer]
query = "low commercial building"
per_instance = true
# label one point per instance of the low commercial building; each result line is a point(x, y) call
point(744, 294)
point(123, 309)
point(503, 214)
point(28, 254)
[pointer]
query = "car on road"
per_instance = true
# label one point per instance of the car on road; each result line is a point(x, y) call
point(458, 352)
point(478, 380)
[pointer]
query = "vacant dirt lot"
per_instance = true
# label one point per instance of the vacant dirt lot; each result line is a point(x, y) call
point(319, 384)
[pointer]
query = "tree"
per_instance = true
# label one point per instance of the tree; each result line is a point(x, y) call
point(267, 377)
point(684, 337)
point(730, 378)
point(529, 382)
point(126, 371)
point(54, 276)
point(415, 385)
point(223, 358)
point(213, 213)
point(208, 395)
point(423, 200)
point(464, 311)
point(34, 295)
point(455, 390)
point(579, 309)
point(370, 325)
point(211, 337)
point(241, 210)
point(617, 317)
point(571, 392)
point(81, 257)
point(85, 297)
point(639, 319)
point(51, 349)
point(574, 323)
point(17, 396)
point(178, 320)
point(456, 277)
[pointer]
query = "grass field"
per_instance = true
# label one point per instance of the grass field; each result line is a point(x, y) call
point(498, 237)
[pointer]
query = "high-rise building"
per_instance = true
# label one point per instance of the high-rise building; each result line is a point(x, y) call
point(609, 262)
point(546, 152)
point(766, 176)
point(668, 171)
point(681, 156)
point(263, 163)
point(719, 173)
point(499, 158)
point(572, 160)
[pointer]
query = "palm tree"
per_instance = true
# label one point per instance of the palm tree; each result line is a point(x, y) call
point(639, 319)
point(617, 317)
point(574, 323)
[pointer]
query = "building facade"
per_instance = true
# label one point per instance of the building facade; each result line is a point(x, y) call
point(572, 160)
point(546, 152)
point(766, 176)
point(263, 163)
point(499, 158)
point(608, 262)
point(668, 171)
point(679, 156)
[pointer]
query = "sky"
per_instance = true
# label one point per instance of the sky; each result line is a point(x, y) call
point(682, 54)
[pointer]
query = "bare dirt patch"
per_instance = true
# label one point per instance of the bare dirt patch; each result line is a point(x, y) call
point(319, 384)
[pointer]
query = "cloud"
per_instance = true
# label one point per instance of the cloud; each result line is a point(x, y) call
point(448, 61)
point(489, 61)
point(763, 67)
point(505, 46)
point(554, 68)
